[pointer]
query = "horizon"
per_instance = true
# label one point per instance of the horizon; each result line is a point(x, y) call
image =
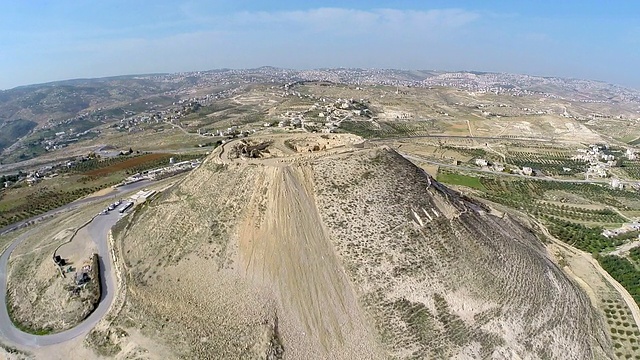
point(63, 41)
point(310, 69)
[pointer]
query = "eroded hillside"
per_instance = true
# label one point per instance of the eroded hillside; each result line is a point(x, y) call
point(340, 251)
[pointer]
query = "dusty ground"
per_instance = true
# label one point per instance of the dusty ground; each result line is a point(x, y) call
point(286, 246)
point(39, 298)
point(473, 261)
point(78, 250)
point(345, 253)
point(102, 192)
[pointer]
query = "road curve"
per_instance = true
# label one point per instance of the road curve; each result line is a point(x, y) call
point(98, 230)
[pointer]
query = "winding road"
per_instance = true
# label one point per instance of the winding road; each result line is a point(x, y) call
point(98, 230)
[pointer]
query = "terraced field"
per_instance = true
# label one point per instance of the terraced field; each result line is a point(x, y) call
point(387, 129)
point(549, 163)
point(631, 168)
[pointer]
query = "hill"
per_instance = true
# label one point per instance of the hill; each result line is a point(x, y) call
point(13, 130)
point(304, 247)
point(63, 100)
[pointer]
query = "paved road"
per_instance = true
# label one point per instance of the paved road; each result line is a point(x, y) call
point(73, 205)
point(98, 230)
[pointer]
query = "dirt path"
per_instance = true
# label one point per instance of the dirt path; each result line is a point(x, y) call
point(619, 212)
point(628, 299)
point(183, 130)
point(504, 158)
point(625, 248)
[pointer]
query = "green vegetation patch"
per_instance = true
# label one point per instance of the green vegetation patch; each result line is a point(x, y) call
point(634, 254)
point(459, 179)
point(631, 168)
point(94, 286)
point(471, 152)
point(11, 131)
point(95, 167)
point(41, 202)
point(389, 129)
point(549, 164)
point(582, 237)
point(520, 193)
point(624, 272)
point(25, 327)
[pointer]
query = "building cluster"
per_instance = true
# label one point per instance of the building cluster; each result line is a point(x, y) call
point(598, 158)
point(617, 184)
point(333, 113)
point(173, 113)
point(324, 115)
point(290, 119)
point(499, 84)
point(626, 228)
point(498, 167)
point(43, 173)
point(173, 168)
point(33, 177)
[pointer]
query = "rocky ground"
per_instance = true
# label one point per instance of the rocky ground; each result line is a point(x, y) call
point(342, 253)
point(38, 298)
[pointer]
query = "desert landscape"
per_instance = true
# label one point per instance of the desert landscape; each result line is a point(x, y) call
point(300, 290)
point(316, 219)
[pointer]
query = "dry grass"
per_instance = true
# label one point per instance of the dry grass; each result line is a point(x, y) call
point(344, 256)
point(39, 299)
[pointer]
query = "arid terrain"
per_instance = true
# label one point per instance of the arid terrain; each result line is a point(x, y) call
point(39, 298)
point(334, 214)
point(344, 253)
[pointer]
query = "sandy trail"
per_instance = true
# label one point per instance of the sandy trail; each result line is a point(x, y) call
point(284, 243)
point(625, 248)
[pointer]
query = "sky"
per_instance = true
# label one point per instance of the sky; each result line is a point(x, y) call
point(49, 40)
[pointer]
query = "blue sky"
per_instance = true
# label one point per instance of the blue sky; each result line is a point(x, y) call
point(44, 41)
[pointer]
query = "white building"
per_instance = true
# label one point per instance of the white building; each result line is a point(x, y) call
point(481, 162)
point(631, 155)
point(616, 184)
point(527, 170)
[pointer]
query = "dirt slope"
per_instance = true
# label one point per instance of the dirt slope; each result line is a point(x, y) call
point(284, 243)
point(343, 254)
point(439, 273)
